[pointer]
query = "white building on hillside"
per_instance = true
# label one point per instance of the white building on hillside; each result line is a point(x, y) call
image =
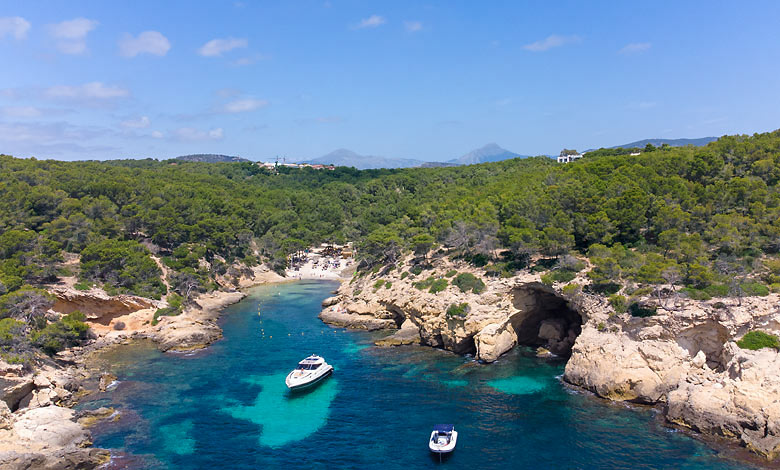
point(568, 156)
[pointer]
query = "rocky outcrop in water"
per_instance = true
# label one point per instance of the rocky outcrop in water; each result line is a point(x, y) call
point(685, 359)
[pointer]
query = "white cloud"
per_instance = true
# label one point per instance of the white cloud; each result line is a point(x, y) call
point(141, 123)
point(15, 26)
point(48, 132)
point(148, 42)
point(550, 42)
point(635, 48)
point(217, 47)
point(249, 60)
point(71, 35)
point(371, 22)
point(413, 26)
point(157, 134)
point(88, 91)
point(244, 105)
point(191, 135)
point(21, 111)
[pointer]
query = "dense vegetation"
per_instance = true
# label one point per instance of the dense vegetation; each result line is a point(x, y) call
point(703, 220)
point(755, 340)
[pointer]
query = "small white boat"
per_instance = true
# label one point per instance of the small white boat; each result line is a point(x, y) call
point(443, 439)
point(310, 371)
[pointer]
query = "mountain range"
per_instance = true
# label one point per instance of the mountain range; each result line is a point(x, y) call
point(343, 157)
point(671, 142)
point(210, 158)
point(489, 153)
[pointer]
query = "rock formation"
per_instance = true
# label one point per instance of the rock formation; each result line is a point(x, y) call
point(685, 359)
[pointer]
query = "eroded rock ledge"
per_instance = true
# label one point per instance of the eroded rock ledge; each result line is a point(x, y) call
point(685, 359)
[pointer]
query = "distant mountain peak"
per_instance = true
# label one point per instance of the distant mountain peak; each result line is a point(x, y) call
point(346, 157)
point(491, 152)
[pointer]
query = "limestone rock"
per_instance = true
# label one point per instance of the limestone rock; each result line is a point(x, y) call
point(354, 320)
point(106, 379)
point(13, 390)
point(52, 426)
point(408, 334)
point(494, 340)
point(6, 418)
point(699, 360)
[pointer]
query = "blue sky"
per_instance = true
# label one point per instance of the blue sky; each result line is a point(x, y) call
point(425, 80)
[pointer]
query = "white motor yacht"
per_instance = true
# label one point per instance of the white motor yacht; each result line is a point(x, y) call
point(310, 371)
point(443, 439)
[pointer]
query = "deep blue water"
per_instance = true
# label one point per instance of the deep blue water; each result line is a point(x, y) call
point(227, 407)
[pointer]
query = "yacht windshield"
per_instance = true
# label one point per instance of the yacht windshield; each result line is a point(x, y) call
point(303, 366)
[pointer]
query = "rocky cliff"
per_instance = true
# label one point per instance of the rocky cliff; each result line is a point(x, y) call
point(684, 359)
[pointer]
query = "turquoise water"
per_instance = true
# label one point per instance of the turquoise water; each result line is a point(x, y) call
point(227, 407)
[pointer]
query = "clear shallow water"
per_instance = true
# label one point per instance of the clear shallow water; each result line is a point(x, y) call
point(227, 407)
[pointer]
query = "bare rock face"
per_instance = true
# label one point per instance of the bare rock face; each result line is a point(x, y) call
point(196, 327)
point(408, 334)
point(685, 357)
point(742, 402)
point(615, 367)
point(494, 340)
point(97, 305)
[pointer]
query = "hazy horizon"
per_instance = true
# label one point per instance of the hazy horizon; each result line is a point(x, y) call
point(98, 80)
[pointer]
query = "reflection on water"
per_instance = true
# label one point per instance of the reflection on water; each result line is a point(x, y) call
point(228, 407)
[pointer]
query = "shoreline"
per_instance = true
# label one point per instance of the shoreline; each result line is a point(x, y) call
point(39, 429)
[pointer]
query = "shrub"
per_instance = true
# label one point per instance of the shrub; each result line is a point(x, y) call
point(571, 289)
point(451, 273)
point(755, 288)
point(175, 300)
point(122, 265)
point(388, 285)
point(619, 303)
point(719, 305)
point(717, 290)
point(468, 282)
point(563, 275)
point(379, 283)
point(755, 340)
point(11, 331)
point(547, 279)
point(165, 312)
point(438, 285)
point(639, 292)
point(601, 326)
point(81, 286)
point(416, 270)
point(404, 275)
point(493, 270)
point(479, 260)
point(695, 294)
point(775, 288)
point(603, 288)
point(424, 284)
point(458, 310)
point(637, 310)
point(65, 332)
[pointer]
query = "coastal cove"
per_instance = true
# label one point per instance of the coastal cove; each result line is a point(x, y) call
point(227, 406)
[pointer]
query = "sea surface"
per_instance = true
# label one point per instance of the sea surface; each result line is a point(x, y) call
point(228, 408)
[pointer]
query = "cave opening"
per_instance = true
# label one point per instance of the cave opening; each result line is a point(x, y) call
point(544, 319)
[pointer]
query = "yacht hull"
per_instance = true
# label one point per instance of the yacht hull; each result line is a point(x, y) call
point(294, 385)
